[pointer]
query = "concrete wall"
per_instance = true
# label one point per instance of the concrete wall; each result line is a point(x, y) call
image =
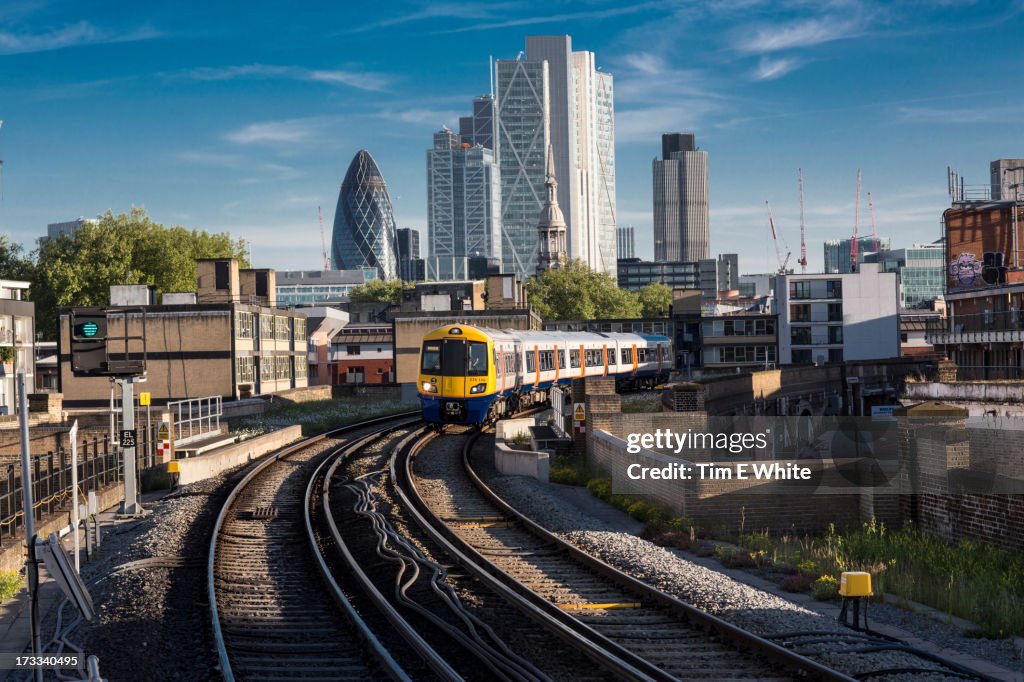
point(514, 462)
point(204, 466)
point(977, 397)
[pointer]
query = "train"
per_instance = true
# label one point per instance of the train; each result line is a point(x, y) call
point(475, 375)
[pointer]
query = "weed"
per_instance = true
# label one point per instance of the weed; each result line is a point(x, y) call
point(799, 582)
point(10, 584)
point(825, 588)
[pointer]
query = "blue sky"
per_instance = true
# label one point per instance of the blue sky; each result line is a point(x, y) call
point(245, 120)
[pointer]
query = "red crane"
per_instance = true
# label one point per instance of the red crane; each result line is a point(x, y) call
point(854, 246)
point(323, 240)
point(783, 260)
point(874, 231)
point(803, 235)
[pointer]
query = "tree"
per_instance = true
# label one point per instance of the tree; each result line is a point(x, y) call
point(382, 290)
point(575, 292)
point(13, 263)
point(655, 300)
point(123, 249)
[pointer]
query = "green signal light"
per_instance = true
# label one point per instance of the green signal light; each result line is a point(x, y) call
point(90, 329)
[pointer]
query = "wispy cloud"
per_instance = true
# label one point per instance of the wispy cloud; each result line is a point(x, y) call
point(467, 10)
point(554, 18)
point(72, 35)
point(362, 80)
point(981, 114)
point(289, 131)
point(797, 34)
point(770, 68)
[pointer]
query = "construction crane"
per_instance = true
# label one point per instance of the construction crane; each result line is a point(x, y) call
point(323, 240)
point(854, 245)
point(803, 235)
point(874, 230)
point(783, 260)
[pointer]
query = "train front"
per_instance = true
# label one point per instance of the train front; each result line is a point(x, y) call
point(456, 381)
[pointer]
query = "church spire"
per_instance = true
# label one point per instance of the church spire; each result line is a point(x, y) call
point(551, 225)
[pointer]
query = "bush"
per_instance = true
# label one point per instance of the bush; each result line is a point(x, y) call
point(825, 588)
point(10, 584)
point(673, 538)
point(799, 582)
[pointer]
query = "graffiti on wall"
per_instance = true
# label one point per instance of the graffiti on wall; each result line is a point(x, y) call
point(968, 271)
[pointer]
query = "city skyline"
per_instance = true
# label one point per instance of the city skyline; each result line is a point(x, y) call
point(233, 128)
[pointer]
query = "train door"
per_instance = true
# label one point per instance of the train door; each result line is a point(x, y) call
point(453, 367)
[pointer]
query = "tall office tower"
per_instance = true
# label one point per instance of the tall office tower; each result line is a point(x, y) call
point(364, 223)
point(1007, 179)
point(463, 199)
point(839, 254)
point(681, 223)
point(551, 248)
point(626, 242)
point(522, 135)
point(408, 251)
point(594, 238)
point(479, 128)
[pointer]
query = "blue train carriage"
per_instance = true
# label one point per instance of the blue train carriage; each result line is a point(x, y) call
point(474, 375)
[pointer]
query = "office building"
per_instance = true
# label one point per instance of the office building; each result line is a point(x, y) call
point(478, 129)
point(626, 238)
point(319, 287)
point(17, 338)
point(681, 220)
point(838, 317)
point(521, 108)
point(1007, 179)
point(922, 270)
point(634, 274)
point(839, 252)
point(740, 340)
point(364, 232)
point(463, 200)
point(68, 228)
point(556, 96)
point(408, 253)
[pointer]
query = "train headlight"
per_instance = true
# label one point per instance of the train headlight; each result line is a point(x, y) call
point(479, 388)
point(429, 387)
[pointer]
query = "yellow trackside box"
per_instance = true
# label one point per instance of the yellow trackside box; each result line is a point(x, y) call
point(173, 467)
point(855, 584)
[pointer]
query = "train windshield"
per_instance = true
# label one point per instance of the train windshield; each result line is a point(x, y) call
point(454, 358)
point(431, 357)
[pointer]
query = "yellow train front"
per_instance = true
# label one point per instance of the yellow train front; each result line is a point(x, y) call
point(457, 378)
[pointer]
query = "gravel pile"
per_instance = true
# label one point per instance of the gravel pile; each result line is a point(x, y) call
point(741, 604)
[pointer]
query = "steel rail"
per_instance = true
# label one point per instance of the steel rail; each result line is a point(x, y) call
point(218, 633)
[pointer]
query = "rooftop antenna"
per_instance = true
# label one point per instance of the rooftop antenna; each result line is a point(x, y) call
point(803, 239)
point(490, 72)
point(856, 228)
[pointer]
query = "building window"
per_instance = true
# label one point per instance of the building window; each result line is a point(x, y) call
point(266, 368)
point(299, 330)
point(301, 369)
point(800, 336)
point(266, 326)
point(352, 350)
point(281, 332)
point(802, 356)
point(835, 312)
point(835, 354)
point(245, 369)
point(903, 337)
point(800, 289)
point(835, 334)
point(834, 288)
point(244, 327)
point(800, 312)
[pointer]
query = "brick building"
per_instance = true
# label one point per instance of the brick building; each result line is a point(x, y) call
point(363, 354)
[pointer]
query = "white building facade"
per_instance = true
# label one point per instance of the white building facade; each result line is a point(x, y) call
point(838, 317)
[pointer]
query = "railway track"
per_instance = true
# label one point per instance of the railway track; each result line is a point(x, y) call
point(631, 629)
point(270, 614)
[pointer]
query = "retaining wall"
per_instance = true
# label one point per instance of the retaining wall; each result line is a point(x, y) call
point(212, 463)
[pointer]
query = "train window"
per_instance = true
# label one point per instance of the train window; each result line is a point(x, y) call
point(561, 359)
point(453, 358)
point(431, 357)
point(627, 356)
point(574, 358)
point(530, 367)
point(477, 359)
point(593, 357)
point(547, 360)
point(641, 355)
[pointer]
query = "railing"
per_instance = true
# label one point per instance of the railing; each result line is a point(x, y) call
point(196, 417)
point(989, 373)
point(99, 465)
point(993, 321)
point(561, 405)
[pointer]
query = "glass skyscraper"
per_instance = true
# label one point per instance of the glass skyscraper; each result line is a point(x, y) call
point(364, 232)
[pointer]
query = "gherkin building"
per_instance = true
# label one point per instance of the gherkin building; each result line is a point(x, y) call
point(364, 233)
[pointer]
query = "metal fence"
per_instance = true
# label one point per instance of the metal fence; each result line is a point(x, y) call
point(991, 321)
point(99, 465)
point(196, 417)
point(561, 405)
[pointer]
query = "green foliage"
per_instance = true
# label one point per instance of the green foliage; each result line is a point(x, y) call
point(520, 439)
point(13, 262)
point(655, 300)
point(317, 416)
point(825, 588)
point(10, 584)
point(575, 292)
point(122, 249)
point(380, 290)
point(567, 469)
point(6, 354)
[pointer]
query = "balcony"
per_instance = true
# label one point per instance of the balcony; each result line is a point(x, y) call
point(1005, 326)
